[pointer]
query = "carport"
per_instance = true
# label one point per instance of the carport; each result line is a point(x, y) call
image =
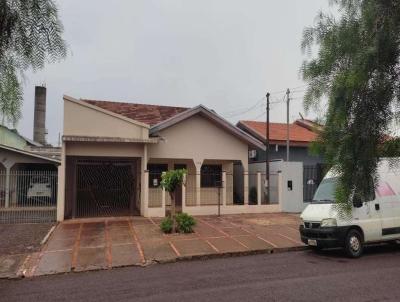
point(101, 186)
point(28, 186)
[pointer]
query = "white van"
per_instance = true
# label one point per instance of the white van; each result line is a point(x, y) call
point(371, 221)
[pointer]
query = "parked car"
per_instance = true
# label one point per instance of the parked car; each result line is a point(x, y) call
point(375, 220)
point(40, 189)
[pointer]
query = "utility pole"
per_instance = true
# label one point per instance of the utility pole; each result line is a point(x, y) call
point(267, 151)
point(287, 121)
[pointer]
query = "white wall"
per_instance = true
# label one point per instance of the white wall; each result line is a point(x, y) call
point(290, 201)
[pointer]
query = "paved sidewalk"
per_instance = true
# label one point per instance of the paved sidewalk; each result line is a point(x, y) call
point(82, 245)
point(17, 242)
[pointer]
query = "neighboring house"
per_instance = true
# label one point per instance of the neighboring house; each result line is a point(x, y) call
point(301, 134)
point(114, 154)
point(28, 171)
point(11, 138)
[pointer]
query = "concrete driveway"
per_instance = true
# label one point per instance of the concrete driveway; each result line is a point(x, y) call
point(91, 244)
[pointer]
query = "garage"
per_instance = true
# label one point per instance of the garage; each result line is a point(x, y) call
point(101, 187)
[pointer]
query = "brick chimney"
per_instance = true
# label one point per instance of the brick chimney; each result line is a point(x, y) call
point(39, 119)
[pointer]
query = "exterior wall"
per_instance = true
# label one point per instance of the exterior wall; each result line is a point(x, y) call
point(297, 154)
point(291, 200)
point(80, 120)
point(198, 139)
point(104, 149)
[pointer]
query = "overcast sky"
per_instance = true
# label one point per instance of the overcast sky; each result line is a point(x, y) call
point(224, 54)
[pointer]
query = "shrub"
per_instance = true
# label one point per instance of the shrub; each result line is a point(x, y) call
point(167, 225)
point(185, 223)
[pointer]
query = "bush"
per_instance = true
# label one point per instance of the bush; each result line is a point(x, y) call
point(185, 223)
point(167, 225)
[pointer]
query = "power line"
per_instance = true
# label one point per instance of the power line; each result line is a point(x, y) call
point(259, 103)
point(233, 113)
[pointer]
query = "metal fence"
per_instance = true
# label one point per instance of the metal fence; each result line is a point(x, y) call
point(273, 184)
point(312, 176)
point(28, 196)
point(214, 185)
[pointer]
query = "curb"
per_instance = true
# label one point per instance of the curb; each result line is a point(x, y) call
point(152, 262)
point(231, 254)
point(49, 233)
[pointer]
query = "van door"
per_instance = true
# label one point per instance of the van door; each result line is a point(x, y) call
point(369, 219)
point(389, 206)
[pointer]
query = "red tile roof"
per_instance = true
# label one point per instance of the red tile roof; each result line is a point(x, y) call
point(298, 131)
point(148, 114)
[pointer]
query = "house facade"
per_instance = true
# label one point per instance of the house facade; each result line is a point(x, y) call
point(113, 156)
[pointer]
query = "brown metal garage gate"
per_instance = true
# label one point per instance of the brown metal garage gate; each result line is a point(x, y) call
point(101, 187)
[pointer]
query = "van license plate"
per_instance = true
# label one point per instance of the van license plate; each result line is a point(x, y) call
point(312, 242)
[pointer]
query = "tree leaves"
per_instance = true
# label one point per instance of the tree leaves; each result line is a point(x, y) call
point(357, 69)
point(30, 37)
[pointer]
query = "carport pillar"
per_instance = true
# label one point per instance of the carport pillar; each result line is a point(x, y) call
point(259, 191)
point(184, 193)
point(61, 192)
point(7, 197)
point(145, 200)
point(224, 188)
point(61, 185)
point(246, 187)
point(198, 183)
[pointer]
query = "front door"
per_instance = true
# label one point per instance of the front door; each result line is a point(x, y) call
point(178, 195)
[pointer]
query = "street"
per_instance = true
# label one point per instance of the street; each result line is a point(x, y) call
point(292, 276)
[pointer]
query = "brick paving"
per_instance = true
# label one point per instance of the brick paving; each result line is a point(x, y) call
point(91, 244)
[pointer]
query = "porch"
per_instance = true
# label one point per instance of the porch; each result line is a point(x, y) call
point(211, 187)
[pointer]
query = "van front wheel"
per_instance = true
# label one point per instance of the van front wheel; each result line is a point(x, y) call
point(353, 244)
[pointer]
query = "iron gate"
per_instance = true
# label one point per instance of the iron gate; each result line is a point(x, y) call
point(312, 176)
point(28, 196)
point(105, 188)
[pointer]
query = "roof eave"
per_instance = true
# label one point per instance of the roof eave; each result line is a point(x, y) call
point(12, 149)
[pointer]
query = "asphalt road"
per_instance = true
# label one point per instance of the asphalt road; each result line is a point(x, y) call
point(292, 276)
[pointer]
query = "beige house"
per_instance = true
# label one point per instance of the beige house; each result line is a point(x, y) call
point(113, 156)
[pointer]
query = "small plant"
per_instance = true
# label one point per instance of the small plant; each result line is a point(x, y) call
point(185, 222)
point(167, 225)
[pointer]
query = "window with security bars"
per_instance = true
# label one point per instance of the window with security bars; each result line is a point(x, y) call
point(155, 172)
point(211, 176)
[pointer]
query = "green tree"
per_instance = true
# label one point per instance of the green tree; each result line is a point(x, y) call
point(357, 70)
point(30, 37)
point(170, 181)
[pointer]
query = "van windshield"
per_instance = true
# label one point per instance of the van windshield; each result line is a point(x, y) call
point(326, 191)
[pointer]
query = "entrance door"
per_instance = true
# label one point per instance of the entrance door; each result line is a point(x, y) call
point(178, 197)
point(104, 187)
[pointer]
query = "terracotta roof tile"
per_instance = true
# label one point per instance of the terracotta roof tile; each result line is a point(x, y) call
point(277, 132)
point(148, 114)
